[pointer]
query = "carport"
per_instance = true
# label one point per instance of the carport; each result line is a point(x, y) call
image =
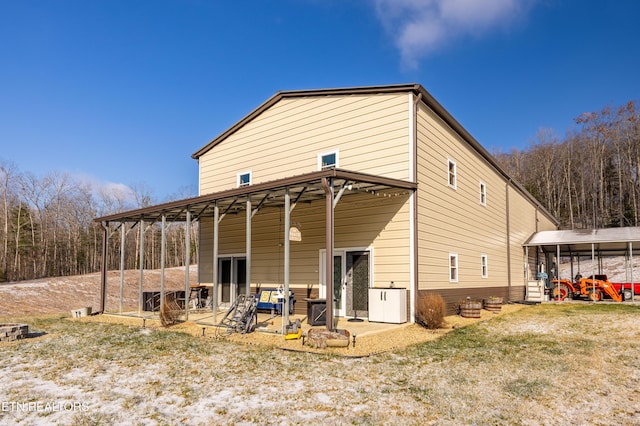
point(593, 243)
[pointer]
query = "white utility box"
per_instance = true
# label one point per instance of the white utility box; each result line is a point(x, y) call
point(388, 305)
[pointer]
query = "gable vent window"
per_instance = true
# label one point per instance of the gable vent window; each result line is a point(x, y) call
point(452, 174)
point(328, 160)
point(244, 179)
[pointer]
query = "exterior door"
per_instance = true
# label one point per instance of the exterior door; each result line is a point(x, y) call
point(350, 282)
point(232, 278)
point(338, 280)
point(225, 280)
point(357, 284)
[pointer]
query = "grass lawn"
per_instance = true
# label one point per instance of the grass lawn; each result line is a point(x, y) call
point(547, 364)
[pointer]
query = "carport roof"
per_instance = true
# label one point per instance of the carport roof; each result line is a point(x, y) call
point(306, 187)
point(611, 240)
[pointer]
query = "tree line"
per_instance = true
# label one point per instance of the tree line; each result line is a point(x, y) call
point(591, 177)
point(588, 179)
point(47, 226)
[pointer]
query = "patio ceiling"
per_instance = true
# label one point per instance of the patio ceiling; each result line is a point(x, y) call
point(303, 188)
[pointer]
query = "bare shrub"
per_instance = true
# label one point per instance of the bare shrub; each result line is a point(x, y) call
point(430, 311)
point(170, 311)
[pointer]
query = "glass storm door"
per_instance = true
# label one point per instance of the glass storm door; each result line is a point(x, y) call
point(357, 284)
point(232, 278)
point(351, 273)
point(338, 281)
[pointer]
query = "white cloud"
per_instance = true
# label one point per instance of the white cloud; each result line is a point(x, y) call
point(421, 27)
point(116, 195)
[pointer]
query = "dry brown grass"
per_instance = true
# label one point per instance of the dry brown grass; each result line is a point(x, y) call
point(572, 363)
point(549, 364)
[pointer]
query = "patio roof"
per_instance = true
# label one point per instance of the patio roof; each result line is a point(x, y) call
point(613, 241)
point(303, 188)
point(329, 185)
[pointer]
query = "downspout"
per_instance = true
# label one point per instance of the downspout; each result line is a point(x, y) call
point(103, 275)
point(413, 202)
point(328, 190)
point(508, 240)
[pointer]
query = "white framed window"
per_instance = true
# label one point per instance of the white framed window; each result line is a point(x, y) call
point(243, 179)
point(452, 174)
point(453, 267)
point(483, 193)
point(484, 265)
point(328, 160)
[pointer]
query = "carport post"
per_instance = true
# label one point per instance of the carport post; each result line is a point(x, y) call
point(328, 189)
point(593, 269)
point(187, 261)
point(140, 301)
point(526, 266)
point(122, 238)
point(103, 276)
point(633, 287)
point(163, 243)
point(214, 296)
point(287, 254)
point(248, 247)
point(558, 272)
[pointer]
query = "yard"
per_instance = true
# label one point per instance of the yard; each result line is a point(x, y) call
point(547, 364)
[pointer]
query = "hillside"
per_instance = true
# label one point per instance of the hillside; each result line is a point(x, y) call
point(64, 294)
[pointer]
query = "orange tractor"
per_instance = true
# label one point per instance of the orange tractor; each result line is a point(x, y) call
point(593, 289)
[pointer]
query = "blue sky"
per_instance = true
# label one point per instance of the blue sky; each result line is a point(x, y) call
point(123, 92)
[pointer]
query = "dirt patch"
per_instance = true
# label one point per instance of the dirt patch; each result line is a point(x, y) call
point(367, 344)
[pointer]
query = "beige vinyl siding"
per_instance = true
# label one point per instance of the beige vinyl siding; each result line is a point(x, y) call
point(370, 132)
point(363, 220)
point(524, 220)
point(453, 220)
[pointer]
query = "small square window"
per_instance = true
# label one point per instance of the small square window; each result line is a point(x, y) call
point(327, 160)
point(453, 267)
point(483, 193)
point(452, 174)
point(484, 265)
point(244, 179)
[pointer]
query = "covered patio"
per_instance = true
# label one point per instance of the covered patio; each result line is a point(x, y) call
point(329, 187)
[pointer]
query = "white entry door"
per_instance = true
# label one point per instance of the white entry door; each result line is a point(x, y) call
point(339, 281)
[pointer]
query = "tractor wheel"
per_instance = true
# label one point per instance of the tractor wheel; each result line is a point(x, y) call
point(562, 291)
point(595, 296)
point(626, 295)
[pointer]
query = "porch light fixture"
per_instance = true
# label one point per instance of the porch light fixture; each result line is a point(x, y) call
point(295, 234)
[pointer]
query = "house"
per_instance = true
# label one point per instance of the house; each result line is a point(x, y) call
point(378, 187)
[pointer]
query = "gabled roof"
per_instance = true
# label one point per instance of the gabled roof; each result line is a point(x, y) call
point(416, 89)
